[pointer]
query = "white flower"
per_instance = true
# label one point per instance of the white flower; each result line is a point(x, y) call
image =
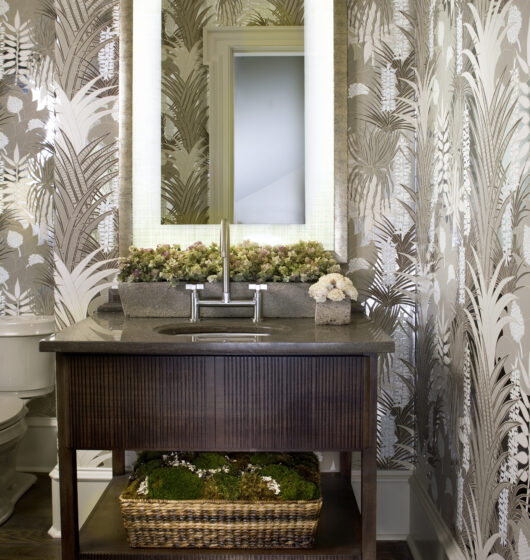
point(435, 91)
point(514, 24)
point(517, 323)
point(334, 287)
point(388, 88)
point(459, 42)
point(318, 292)
point(35, 123)
point(142, 488)
point(14, 104)
point(389, 262)
point(35, 259)
point(336, 295)
point(14, 239)
point(106, 54)
point(4, 275)
point(272, 484)
point(4, 7)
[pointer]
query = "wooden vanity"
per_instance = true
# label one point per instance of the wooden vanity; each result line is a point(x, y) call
point(120, 385)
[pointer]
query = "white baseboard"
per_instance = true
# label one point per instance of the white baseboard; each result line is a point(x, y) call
point(393, 503)
point(91, 483)
point(430, 537)
point(37, 452)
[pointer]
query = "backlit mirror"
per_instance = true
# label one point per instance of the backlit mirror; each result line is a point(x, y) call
point(210, 147)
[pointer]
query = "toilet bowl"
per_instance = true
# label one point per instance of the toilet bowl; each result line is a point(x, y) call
point(24, 373)
point(12, 430)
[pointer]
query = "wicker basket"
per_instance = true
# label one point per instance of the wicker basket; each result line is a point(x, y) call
point(219, 524)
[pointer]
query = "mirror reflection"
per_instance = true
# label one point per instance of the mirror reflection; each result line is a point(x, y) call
point(269, 140)
point(259, 175)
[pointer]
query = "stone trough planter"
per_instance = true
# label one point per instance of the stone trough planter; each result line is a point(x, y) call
point(160, 299)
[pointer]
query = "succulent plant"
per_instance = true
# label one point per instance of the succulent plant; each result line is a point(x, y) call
point(305, 261)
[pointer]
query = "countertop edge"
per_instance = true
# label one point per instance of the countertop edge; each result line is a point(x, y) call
point(216, 348)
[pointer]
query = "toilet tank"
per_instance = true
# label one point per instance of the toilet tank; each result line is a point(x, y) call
point(24, 371)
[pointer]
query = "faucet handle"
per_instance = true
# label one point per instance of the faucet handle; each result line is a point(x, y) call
point(195, 287)
point(258, 287)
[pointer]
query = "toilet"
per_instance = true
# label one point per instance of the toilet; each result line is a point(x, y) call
point(25, 373)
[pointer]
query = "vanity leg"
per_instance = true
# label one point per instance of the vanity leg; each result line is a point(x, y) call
point(368, 502)
point(345, 464)
point(369, 462)
point(67, 463)
point(118, 462)
point(68, 494)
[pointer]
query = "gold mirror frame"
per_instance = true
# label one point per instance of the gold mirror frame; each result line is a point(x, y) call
point(340, 137)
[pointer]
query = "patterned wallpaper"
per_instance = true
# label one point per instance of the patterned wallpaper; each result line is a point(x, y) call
point(58, 142)
point(440, 242)
point(439, 232)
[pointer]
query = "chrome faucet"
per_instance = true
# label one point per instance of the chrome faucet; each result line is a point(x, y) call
point(225, 255)
point(226, 300)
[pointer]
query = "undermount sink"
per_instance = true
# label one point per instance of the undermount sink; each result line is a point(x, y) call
point(216, 331)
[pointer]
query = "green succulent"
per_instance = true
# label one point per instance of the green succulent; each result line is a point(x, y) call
point(305, 261)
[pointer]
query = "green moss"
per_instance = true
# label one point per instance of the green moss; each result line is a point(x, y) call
point(131, 492)
point(147, 462)
point(146, 456)
point(296, 473)
point(208, 461)
point(222, 486)
point(309, 474)
point(269, 458)
point(308, 460)
point(254, 488)
point(292, 485)
point(174, 483)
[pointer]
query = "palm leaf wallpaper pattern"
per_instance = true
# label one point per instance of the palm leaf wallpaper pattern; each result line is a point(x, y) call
point(439, 141)
point(439, 233)
point(185, 156)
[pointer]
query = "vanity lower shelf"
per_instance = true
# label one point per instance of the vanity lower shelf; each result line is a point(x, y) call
point(338, 536)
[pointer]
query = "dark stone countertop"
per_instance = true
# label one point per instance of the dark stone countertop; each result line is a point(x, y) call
point(113, 333)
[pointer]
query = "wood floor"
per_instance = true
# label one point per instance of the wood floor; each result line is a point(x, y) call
point(25, 535)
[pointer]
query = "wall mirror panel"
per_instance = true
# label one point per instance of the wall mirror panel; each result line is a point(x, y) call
point(186, 108)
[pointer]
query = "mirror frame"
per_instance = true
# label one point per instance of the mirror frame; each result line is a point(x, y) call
point(219, 47)
point(340, 23)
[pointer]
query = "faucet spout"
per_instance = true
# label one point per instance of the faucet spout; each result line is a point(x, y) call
point(225, 255)
point(197, 302)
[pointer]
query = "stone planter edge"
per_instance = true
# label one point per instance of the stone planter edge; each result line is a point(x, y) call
point(160, 299)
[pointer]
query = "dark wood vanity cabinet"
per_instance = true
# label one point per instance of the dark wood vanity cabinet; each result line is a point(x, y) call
point(214, 403)
point(229, 403)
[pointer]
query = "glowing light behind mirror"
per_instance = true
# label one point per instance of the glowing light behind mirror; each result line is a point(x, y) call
point(319, 111)
point(147, 229)
point(147, 105)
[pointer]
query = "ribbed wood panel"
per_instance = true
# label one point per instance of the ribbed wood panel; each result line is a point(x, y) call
point(290, 403)
point(136, 402)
